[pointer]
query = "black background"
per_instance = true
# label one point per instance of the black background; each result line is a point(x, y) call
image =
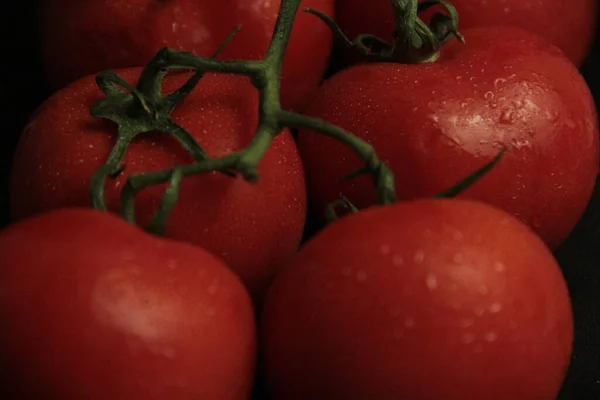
point(22, 89)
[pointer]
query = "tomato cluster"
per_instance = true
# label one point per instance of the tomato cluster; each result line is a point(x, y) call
point(159, 207)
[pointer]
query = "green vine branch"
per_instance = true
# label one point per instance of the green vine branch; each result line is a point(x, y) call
point(144, 108)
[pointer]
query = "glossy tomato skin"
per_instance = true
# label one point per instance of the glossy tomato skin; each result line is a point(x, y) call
point(80, 38)
point(93, 308)
point(567, 25)
point(432, 299)
point(253, 227)
point(435, 124)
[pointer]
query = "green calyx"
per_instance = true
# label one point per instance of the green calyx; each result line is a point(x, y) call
point(414, 42)
point(144, 108)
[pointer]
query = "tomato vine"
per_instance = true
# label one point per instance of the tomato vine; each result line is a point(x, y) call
point(144, 108)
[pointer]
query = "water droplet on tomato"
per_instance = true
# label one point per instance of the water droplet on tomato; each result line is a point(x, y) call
point(495, 308)
point(499, 267)
point(506, 117)
point(419, 256)
point(398, 261)
point(468, 338)
point(431, 282)
point(488, 96)
point(385, 249)
point(490, 337)
point(213, 289)
point(499, 83)
point(361, 276)
point(551, 116)
point(466, 322)
point(409, 322)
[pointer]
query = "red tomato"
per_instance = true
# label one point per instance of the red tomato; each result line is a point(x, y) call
point(435, 124)
point(432, 299)
point(569, 26)
point(93, 308)
point(83, 37)
point(253, 227)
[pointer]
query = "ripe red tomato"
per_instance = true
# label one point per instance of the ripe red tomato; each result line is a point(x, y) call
point(93, 308)
point(435, 124)
point(570, 27)
point(83, 37)
point(253, 227)
point(432, 299)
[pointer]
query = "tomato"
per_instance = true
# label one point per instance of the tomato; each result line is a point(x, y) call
point(429, 299)
point(436, 123)
point(80, 38)
point(93, 308)
point(253, 227)
point(568, 26)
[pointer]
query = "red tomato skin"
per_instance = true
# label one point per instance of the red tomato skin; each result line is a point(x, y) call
point(568, 26)
point(81, 38)
point(253, 227)
point(93, 308)
point(435, 124)
point(432, 299)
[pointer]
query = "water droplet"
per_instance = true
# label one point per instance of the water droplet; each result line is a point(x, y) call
point(172, 264)
point(398, 261)
point(385, 249)
point(506, 117)
point(495, 308)
point(361, 276)
point(488, 96)
point(479, 311)
point(419, 257)
point(483, 289)
point(498, 83)
point(168, 353)
point(213, 289)
point(490, 337)
point(409, 322)
point(431, 282)
point(551, 116)
point(466, 322)
point(468, 338)
point(458, 258)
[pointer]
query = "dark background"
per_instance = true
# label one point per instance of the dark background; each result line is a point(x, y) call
point(22, 89)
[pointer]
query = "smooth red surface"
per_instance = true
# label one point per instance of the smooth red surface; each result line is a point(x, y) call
point(435, 124)
point(253, 227)
point(93, 308)
point(570, 25)
point(84, 37)
point(434, 299)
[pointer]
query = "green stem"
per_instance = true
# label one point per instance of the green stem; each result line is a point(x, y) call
point(265, 75)
point(413, 42)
